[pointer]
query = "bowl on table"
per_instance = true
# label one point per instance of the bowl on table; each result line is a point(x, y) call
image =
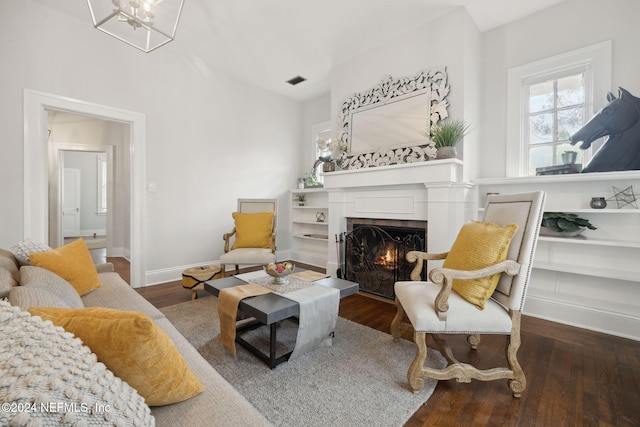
point(279, 271)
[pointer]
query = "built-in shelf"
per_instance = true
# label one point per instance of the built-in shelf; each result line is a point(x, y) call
point(590, 241)
point(310, 222)
point(310, 236)
point(548, 179)
point(630, 211)
point(607, 273)
point(302, 236)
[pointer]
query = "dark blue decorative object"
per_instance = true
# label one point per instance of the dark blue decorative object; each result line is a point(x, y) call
point(620, 121)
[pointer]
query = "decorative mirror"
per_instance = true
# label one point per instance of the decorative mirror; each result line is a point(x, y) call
point(389, 124)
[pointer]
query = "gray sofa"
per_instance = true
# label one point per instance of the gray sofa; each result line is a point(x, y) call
point(219, 404)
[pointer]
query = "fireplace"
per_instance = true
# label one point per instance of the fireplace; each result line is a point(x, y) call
point(373, 252)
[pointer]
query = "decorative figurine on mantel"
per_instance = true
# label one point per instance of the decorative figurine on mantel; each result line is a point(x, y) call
point(620, 121)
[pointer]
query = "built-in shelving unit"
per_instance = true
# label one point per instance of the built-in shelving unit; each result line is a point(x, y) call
point(310, 227)
point(591, 280)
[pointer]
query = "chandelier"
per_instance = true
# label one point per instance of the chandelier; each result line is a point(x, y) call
point(144, 24)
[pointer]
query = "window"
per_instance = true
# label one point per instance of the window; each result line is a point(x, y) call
point(554, 110)
point(102, 184)
point(548, 101)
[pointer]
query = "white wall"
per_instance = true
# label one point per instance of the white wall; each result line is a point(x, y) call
point(444, 42)
point(210, 138)
point(570, 25)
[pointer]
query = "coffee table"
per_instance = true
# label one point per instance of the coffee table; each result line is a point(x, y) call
point(268, 310)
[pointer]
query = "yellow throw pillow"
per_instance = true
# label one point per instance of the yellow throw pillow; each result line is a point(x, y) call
point(479, 245)
point(73, 263)
point(253, 230)
point(133, 347)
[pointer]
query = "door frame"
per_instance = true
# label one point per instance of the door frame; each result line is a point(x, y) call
point(36, 170)
point(56, 169)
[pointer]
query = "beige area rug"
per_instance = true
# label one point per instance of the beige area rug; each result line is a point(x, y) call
point(360, 381)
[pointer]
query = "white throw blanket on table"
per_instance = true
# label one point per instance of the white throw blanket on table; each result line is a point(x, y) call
point(318, 313)
point(318, 316)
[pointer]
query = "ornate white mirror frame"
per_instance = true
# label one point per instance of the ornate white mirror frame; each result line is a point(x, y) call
point(431, 83)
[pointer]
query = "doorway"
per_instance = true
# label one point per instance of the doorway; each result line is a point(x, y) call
point(37, 170)
point(82, 201)
point(97, 148)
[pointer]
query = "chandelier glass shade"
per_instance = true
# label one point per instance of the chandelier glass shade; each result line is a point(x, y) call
point(144, 24)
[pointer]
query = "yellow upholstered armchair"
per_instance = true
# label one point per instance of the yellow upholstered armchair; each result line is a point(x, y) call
point(480, 289)
point(253, 239)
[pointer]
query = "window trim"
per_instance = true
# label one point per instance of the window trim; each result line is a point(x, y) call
point(102, 183)
point(595, 60)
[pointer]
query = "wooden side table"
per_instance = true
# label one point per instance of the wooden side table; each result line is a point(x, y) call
point(193, 278)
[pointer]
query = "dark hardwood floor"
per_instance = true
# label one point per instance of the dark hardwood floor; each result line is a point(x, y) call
point(575, 377)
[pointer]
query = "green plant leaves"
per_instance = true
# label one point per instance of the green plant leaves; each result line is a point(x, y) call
point(560, 221)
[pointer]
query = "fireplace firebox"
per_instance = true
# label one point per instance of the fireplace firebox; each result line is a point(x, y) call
point(373, 252)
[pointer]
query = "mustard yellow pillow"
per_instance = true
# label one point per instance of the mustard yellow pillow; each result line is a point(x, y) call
point(479, 245)
point(253, 230)
point(73, 263)
point(133, 347)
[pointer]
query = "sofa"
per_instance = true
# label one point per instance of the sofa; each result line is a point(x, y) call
point(30, 286)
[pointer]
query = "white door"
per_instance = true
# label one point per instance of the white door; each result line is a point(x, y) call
point(71, 202)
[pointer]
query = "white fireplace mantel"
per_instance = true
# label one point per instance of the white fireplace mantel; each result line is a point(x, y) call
point(432, 172)
point(430, 191)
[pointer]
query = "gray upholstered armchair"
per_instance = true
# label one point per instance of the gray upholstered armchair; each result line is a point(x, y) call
point(488, 294)
point(253, 239)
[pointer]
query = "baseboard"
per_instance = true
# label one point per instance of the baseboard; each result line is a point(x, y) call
point(595, 319)
point(120, 253)
point(90, 233)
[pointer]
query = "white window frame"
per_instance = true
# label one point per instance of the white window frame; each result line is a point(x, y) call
point(102, 182)
point(594, 60)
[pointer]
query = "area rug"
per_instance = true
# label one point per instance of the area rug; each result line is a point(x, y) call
point(360, 381)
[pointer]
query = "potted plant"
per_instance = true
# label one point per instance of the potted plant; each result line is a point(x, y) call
point(569, 157)
point(560, 224)
point(300, 198)
point(446, 135)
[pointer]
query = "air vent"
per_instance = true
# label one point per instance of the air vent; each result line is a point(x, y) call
point(297, 79)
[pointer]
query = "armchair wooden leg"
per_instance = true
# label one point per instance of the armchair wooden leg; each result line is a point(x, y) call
point(519, 381)
point(474, 340)
point(396, 323)
point(194, 294)
point(237, 269)
point(415, 370)
point(222, 270)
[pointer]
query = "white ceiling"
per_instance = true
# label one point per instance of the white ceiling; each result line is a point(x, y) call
point(267, 42)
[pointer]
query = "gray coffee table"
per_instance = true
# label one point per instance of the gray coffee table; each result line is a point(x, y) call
point(269, 309)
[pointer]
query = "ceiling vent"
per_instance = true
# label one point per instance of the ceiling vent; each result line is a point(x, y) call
point(297, 79)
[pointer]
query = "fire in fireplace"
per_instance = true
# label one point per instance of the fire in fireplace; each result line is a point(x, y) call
point(373, 252)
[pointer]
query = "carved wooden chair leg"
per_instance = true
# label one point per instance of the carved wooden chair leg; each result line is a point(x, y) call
point(237, 269)
point(519, 381)
point(222, 270)
point(396, 323)
point(474, 340)
point(415, 370)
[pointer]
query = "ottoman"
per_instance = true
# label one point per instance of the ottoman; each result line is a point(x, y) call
point(193, 278)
